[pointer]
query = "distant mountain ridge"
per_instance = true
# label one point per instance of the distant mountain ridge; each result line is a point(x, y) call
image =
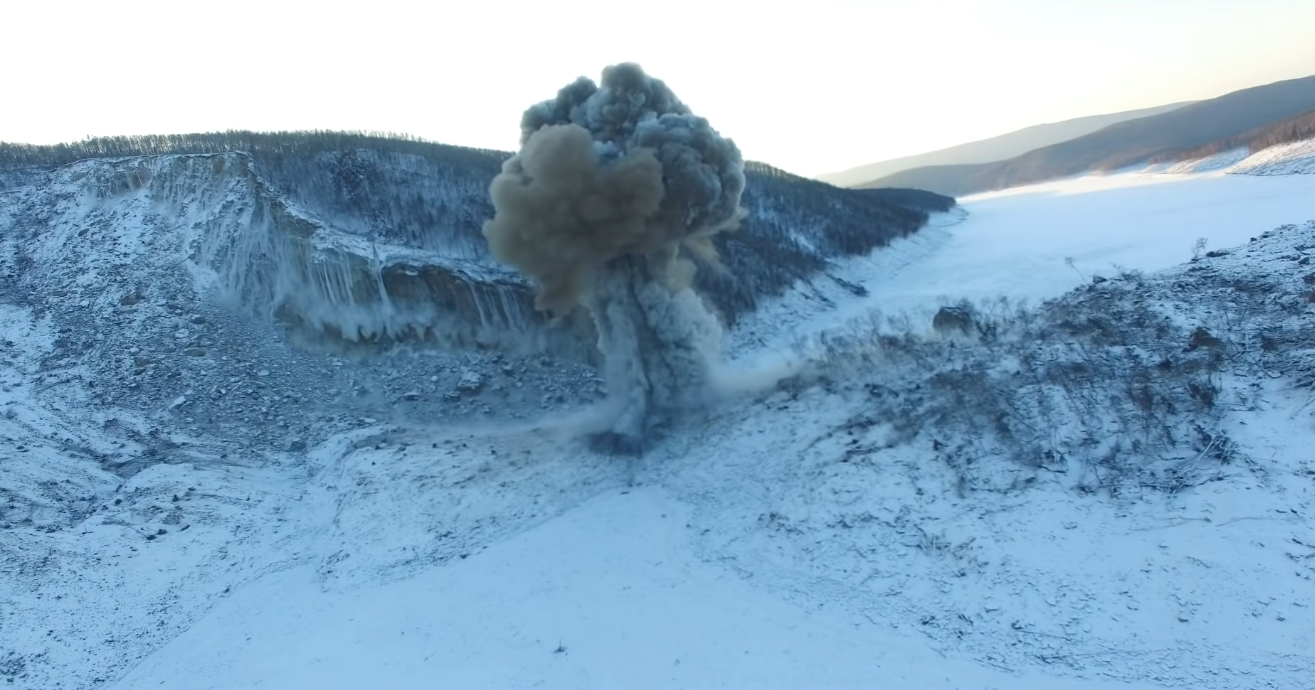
point(1293, 129)
point(994, 149)
point(1123, 144)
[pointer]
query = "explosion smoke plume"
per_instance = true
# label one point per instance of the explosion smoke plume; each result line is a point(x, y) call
point(611, 182)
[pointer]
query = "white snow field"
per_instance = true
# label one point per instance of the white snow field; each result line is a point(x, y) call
point(769, 545)
point(1014, 244)
point(611, 594)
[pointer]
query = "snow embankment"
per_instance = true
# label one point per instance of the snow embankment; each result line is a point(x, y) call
point(1222, 161)
point(1295, 158)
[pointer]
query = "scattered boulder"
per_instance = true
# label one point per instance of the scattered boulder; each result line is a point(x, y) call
point(470, 382)
point(959, 317)
point(1203, 338)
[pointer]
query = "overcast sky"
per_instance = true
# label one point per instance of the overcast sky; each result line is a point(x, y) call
point(811, 86)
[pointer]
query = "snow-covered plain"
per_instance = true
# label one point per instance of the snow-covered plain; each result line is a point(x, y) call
point(771, 544)
point(1016, 244)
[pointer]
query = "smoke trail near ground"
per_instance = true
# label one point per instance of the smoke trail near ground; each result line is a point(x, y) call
point(615, 185)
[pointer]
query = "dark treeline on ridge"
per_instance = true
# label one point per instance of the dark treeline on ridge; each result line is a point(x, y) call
point(264, 144)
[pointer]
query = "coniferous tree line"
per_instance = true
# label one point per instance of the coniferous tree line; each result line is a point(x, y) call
point(14, 155)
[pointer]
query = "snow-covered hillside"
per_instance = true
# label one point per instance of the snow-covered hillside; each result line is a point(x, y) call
point(1113, 490)
point(1296, 158)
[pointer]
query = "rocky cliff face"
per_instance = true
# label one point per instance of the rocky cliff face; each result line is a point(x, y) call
point(276, 298)
point(365, 245)
point(125, 226)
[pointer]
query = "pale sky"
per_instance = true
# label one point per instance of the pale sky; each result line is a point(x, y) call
point(810, 86)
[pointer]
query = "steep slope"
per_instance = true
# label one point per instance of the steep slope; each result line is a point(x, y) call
point(1296, 158)
point(993, 149)
point(1123, 144)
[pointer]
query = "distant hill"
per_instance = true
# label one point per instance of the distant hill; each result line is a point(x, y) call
point(1297, 128)
point(1123, 144)
point(999, 148)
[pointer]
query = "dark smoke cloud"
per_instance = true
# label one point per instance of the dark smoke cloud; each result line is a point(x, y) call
point(561, 213)
point(579, 205)
point(611, 182)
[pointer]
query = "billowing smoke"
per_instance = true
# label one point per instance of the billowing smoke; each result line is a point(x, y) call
point(614, 184)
